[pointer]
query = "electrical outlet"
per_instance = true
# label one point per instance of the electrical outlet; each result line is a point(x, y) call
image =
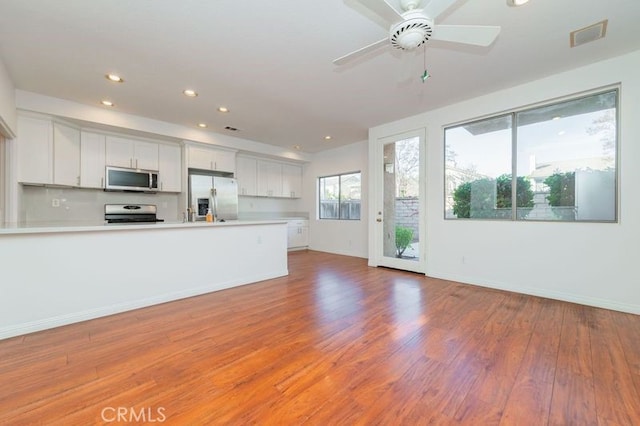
point(55, 202)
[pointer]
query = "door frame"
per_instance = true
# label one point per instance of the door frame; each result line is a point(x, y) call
point(376, 229)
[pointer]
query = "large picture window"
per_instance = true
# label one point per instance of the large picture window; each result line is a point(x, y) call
point(563, 156)
point(340, 196)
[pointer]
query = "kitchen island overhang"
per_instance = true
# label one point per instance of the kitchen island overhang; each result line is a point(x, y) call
point(61, 275)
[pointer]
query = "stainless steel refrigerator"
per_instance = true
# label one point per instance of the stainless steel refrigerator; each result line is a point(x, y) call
point(220, 194)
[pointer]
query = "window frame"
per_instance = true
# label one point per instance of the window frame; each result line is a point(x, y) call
point(339, 176)
point(514, 154)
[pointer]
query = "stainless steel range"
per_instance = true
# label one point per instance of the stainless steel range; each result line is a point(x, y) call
point(131, 213)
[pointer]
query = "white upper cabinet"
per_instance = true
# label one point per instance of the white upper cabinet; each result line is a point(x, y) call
point(66, 155)
point(48, 152)
point(269, 178)
point(92, 159)
point(170, 168)
point(35, 150)
point(211, 159)
point(291, 181)
point(246, 174)
point(266, 178)
point(122, 152)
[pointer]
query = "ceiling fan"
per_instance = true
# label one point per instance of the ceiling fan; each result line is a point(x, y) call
point(414, 26)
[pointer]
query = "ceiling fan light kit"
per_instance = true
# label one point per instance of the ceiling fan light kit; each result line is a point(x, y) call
point(411, 33)
point(414, 25)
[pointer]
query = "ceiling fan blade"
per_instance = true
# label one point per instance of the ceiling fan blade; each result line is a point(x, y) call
point(435, 7)
point(477, 35)
point(383, 9)
point(361, 52)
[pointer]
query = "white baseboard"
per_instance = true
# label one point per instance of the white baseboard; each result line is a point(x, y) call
point(546, 293)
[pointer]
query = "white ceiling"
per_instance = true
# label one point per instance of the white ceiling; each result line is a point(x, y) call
point(270, 62)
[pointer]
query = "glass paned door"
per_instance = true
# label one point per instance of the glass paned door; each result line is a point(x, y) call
point(399, 216)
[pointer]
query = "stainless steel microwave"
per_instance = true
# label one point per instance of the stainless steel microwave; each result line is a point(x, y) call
point(123, 179)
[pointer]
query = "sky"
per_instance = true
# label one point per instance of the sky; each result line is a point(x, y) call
point(553, 140)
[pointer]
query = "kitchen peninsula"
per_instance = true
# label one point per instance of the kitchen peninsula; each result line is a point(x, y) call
point(61, 275)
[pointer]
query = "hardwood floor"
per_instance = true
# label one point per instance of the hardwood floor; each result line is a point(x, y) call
point(335, 342)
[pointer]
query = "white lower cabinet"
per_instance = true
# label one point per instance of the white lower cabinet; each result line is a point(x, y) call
point(297, 234)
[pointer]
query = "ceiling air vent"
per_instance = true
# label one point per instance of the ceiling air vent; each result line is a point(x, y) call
point(588, 34)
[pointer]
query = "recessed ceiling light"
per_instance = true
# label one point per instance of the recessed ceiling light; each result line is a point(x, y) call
point(202, 125)
point(517, 3)
point(557, 117)
point(223, 109)
point(327, 138)
point(107, 103)
point(191, 93)
point(114, 77)
point(296, 147)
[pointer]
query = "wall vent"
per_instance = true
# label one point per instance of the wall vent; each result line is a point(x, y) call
point(588, 34)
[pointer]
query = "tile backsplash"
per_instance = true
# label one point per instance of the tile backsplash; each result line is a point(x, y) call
point(73, 206)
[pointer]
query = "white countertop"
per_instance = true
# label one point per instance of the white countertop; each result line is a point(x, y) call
point(102, 227)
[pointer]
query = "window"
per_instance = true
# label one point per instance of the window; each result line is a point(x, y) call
point(563, 156)
point(340, 196)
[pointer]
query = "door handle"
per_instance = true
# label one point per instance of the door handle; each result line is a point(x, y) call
point(379, 219)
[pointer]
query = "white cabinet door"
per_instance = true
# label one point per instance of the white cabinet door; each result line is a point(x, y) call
point(212, 159)
point(66, 155)
point(297, 234)
point(170, 168)
point(291, 181)
point(145, 155)
point(35, 150)
point(246, 175)
point(122, 152)
point(224, 161)
point(92, 160)
point(200, 158)
point(119, 152)
point(269, 179)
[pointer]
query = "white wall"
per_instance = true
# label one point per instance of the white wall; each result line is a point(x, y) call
point(348, 237)
point(588, 263)
point(8, 118)
point(259, 208)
